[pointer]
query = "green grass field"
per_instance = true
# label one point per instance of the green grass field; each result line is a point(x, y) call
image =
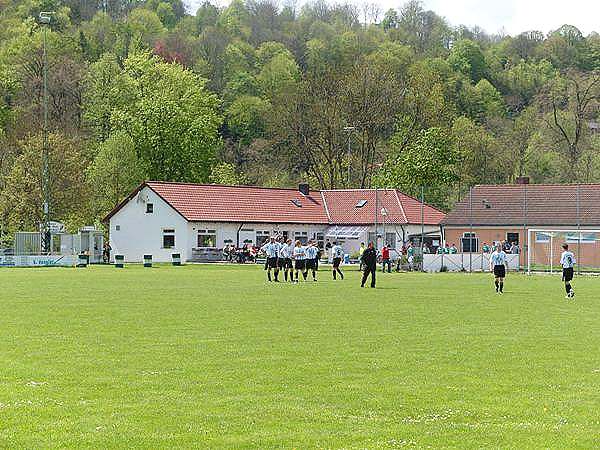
point(214, 357)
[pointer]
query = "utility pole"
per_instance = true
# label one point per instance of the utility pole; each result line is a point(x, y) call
point(45, 18)
point(349, 130)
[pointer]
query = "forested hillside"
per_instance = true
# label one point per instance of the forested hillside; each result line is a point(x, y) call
point(262, 93)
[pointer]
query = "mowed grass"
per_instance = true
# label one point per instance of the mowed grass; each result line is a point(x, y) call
point(214, 357)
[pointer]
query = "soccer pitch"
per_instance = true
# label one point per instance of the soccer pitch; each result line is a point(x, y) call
point(214, 357)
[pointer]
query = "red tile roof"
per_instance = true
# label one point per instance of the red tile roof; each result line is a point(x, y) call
point(401, 209)
point(218, 203)
point(534, 204)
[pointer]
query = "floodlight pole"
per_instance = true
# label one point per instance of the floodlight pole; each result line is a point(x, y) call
point(422, 226)
point(578, 227)
point(45, 17)
point(383, 215)
point(349, 130)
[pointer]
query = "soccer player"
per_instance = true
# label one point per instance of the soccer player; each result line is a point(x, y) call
point(310, 255)
point(299, 262)
point(271, 249)
point(369, 261)
point(337, 253)
point(285, 259)
point(498, 267)
point(567, 261)
point(485, 248)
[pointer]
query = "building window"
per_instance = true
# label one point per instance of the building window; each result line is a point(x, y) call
point(469, 243)
point(371, 237)
point(542, 238)
point(117, 227)
point(390, 240)
point(261, 238)
point(149, 208)
point(512, 237)
point(168, 238)
point(301, 236)
point(586, 238)
point(320, 239)
point(207, 238)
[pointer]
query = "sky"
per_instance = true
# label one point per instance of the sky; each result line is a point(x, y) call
point(510, 16)
point(516, 16)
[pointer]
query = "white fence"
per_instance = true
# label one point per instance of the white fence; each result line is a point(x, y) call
point(38, 261)
point(459, 262)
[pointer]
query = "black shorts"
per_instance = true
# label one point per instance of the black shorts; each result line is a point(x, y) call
point(272, 262)
point(567, 274)
point(336, 262)
point(284, 263)
point(299, 264)
point(500, 271)
point(311, 264)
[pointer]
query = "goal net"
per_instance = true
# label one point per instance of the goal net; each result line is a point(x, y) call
point(545, 247)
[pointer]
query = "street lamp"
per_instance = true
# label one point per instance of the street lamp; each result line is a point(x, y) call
point(349, 130)
point(45, 18)
point(384, 213)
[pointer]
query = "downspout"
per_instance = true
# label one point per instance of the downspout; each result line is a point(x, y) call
point(238, 235)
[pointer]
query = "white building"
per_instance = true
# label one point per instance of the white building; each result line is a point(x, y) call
point(162, 218)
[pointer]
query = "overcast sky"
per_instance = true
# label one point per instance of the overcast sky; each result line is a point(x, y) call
point(516, 16)
point(511, 16)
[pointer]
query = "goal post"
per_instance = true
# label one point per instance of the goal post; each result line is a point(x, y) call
point(545, 247)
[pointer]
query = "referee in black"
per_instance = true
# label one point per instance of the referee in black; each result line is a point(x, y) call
point(369, 261)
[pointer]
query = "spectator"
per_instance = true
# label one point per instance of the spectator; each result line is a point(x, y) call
point(106, 252)
point(486, 248)
point(361, 250)
point(514, 249)
point(385, 259)
point(452, 249)
point(506, 246)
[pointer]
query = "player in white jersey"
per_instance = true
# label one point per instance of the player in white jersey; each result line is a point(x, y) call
point(498, 267)
point(299, 262)
point(567, 261)
point(284, 261)
point(337, 253)
point(271, 250)
point(311, 253)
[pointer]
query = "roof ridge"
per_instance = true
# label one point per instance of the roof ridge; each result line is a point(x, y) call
point(536, 184)
point(268, 188)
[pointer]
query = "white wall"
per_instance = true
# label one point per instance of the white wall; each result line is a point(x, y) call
point(458, 262)
point(141, 233)
point(229, 231)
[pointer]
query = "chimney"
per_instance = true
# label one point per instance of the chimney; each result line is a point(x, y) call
point(304, 189)
point(522, 180)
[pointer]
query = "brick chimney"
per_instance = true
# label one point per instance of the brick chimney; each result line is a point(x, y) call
point(304, 189)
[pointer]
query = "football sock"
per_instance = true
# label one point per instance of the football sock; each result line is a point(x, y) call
point(568, 287)
point(269, 275)
point(497, 284)
point(334, 274)
point(501, 286)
